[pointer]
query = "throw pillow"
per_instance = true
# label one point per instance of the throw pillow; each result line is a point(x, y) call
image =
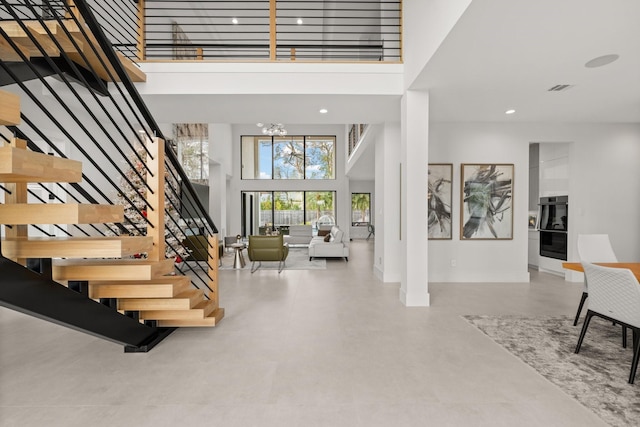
point(323, 232)
point(327, 237)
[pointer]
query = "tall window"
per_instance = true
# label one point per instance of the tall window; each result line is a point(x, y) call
point(288, 207)
point(319, 155)
point(288, 157)
point(319, 208)
point(192, 143)
point(360, 209)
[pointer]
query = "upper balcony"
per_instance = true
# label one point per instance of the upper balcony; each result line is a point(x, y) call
point(255, 30)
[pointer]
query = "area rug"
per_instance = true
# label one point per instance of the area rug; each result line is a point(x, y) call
point(298, 259)
point(596, 377)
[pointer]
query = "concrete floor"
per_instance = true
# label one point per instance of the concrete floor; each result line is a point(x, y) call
point(330, 347)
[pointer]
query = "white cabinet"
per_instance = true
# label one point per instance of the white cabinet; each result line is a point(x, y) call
point(534, 248)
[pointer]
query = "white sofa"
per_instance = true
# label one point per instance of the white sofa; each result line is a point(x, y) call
point(299, 235)
point(335, 247)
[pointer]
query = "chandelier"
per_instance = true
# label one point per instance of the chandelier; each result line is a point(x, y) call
point(272, 129)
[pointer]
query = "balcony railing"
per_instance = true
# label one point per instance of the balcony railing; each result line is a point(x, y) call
point(254, 30)
point(356, 131)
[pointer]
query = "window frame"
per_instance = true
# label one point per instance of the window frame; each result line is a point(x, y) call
point(360, 223)
point(259, 193)
point(274, 139)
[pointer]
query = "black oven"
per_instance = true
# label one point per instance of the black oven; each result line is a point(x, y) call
point(553, 223)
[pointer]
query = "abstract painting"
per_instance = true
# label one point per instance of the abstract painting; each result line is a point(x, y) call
point(486, 201)
point(439, 200)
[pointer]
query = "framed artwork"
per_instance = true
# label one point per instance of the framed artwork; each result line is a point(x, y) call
point(440, 177)
point(486, 202)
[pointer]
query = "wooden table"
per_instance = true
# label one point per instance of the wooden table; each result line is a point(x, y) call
point(633, 266)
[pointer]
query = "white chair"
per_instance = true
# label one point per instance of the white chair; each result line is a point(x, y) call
point(614, 294)
point(593, 248)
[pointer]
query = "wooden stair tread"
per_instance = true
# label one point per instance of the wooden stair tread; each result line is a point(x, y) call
point(59, 34)
point(9, 109)
point(199, 312)
point(158, 287)
point(60, 213)
point(133, 71)
point(19, 165)
point(76, 247)
point(8, 53)
point(211, 320)
point(183, 301)
point(111, 269)
point(15, 31)
point(20, 37)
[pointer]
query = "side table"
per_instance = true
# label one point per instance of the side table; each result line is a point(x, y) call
point(238, 258)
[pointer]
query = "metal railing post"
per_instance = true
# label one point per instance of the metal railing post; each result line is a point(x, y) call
point(141, 24)
point(272, 30)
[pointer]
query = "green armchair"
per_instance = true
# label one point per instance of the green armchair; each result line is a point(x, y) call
point(267, 248)
point(198, 248)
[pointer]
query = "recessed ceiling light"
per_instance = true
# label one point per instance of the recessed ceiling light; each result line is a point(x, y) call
point(234, 20)
point(323, 111)
point(510, 111)
point(602, 61)
point(299, 21)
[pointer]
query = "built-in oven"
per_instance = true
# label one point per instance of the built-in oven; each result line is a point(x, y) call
point(553, 224)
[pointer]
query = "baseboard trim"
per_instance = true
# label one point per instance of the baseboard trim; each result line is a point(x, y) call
point(414, 300)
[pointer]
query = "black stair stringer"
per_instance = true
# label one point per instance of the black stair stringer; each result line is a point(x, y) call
point(31, 293)
point(26, 73)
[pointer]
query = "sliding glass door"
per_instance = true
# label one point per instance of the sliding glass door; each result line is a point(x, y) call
point(266, 211)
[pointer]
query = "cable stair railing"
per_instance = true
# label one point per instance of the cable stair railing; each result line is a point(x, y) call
point(109, 225)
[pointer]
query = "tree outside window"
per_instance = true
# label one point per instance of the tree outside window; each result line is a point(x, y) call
point(319, 158)
point(288, 157)
point(320, 208)
point(360, 209)
point(288, 208)
point(192, 142)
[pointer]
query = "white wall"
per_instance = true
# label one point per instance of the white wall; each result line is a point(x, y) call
point(481, 260)
point(340, 185)
point(296, 78)
point(426, 24)
point(604, 188)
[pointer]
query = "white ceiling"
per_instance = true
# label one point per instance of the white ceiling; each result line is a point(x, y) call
point(505, 54)
point(501, 54)
point(287, 109)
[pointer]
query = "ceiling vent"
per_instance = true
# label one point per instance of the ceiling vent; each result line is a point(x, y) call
point(559, 88)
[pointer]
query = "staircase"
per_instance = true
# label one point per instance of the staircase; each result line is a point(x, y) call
point(33, 40)
point(145, 289)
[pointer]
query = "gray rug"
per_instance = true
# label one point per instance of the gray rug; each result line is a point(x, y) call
point(298, 259)
point(596, 377)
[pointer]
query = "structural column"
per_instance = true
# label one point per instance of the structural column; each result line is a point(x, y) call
point(414, 287)
point(387, 260)
point(220, 142)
